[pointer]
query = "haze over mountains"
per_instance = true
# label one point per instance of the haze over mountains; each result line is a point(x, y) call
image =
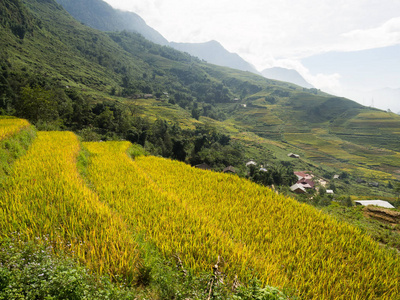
point(213, 52)
point(371, 77)
point(288, 75)
point(100, 15)
point(349, 74)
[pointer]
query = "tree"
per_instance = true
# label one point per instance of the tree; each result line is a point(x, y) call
point(36, 103)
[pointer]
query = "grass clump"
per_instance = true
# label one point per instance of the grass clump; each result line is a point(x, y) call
point(14, 147)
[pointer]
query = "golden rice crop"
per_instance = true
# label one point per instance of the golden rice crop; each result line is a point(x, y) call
point(318, 256)
point(11, 126)
point(203, 214)
point(165, 219)
point(45, 196)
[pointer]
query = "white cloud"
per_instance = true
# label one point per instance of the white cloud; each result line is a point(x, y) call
point(385, 35)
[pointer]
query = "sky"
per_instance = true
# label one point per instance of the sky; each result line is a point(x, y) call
point(270, 33)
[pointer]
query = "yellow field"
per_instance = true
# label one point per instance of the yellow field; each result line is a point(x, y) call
point(10, 126)
point(201, 215)
point(45, 197)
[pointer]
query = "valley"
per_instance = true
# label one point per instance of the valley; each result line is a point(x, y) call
point(100, 136)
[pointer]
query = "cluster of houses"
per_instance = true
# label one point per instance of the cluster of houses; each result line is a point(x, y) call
point(307, 181)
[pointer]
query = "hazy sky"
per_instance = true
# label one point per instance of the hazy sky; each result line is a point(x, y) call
point(270, 33)
point(262, 31)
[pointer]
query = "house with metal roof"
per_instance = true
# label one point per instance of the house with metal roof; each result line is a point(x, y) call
point(379, 203)
point(298, 189)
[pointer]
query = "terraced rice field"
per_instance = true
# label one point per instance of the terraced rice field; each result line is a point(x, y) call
point(10, 126)
point(45, 197)
point(201, 215)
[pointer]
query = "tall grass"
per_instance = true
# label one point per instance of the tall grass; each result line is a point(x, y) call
point(202, 214)
point(11, 126)
point(45, 197)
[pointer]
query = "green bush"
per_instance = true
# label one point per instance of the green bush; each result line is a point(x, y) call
point(32, 271)
point(255, 291)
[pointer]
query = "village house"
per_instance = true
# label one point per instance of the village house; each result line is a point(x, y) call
point(229, 169)
point(304, 175)
point(298, 189)
point(306, 183)
point(292, 155)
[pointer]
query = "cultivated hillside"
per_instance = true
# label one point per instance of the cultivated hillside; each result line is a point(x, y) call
point(107, 214)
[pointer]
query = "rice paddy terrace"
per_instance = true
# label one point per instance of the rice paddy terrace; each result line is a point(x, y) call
point(196, 214)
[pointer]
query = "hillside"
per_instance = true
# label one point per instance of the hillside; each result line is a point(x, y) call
point(100, 15)
point(60, 74)
point(86, 209)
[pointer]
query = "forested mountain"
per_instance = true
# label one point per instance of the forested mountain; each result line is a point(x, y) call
point(100, 15)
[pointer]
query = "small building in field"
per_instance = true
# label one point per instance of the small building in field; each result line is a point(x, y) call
point(203, 166)
point(251, 163)
point(229, 169)
point(263, 170)
point(329, 192)
point(336, 176)
point(379, 203)
point(293, 155)
point(298, 189)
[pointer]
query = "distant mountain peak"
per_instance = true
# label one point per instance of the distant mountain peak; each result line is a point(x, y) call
point(214, 53)
point(288, 75)
point(102, 16)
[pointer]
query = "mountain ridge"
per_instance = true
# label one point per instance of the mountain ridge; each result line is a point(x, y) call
point(214, 53)
point(100, 15)
point(288, 75)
